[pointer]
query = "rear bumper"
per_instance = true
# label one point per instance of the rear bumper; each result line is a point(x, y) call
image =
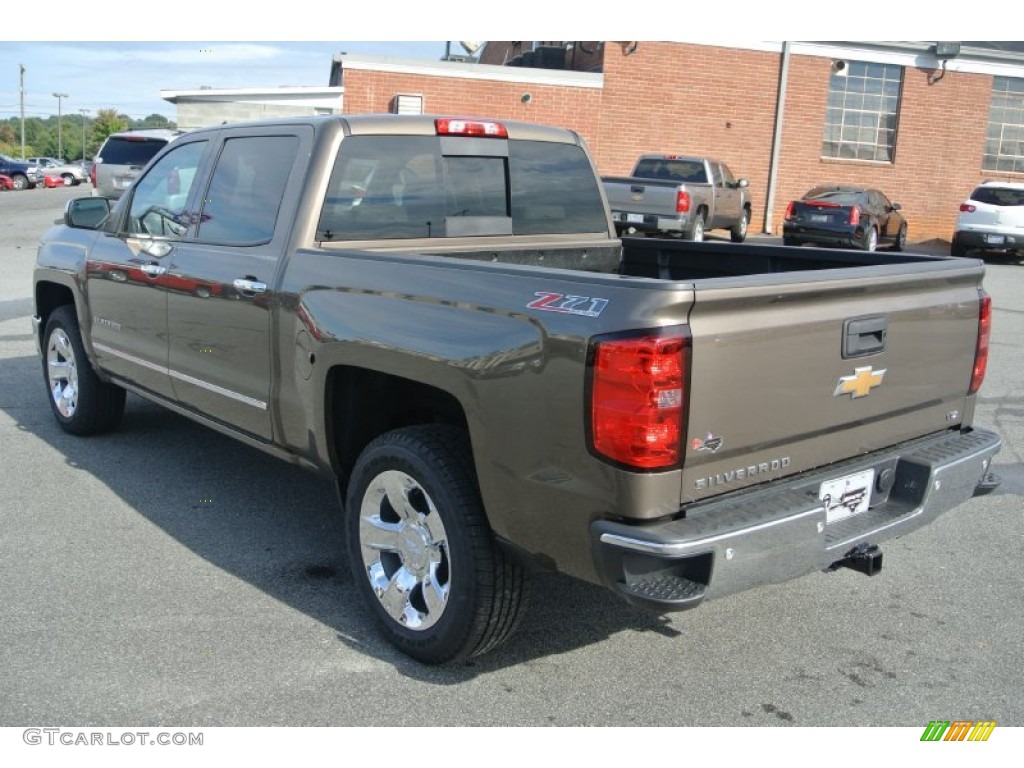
point(989, 239)
point(779, 532)
point(852, 237)
point(650, 222)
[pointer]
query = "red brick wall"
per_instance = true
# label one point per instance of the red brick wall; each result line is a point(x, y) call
point(668, 97)
point(369, 92)
point(939, 142)
point(676, 97)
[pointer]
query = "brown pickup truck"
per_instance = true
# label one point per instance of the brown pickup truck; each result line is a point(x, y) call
point(437, 313)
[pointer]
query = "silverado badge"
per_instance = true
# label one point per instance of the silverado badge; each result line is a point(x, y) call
point(860, 384)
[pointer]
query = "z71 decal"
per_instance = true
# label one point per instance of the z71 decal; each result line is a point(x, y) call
point(569, 305)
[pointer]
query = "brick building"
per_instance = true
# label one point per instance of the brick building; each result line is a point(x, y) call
point(921, 123)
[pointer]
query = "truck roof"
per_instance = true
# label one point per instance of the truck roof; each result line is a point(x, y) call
point(414, 125)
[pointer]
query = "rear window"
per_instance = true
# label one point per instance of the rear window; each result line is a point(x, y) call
point(683, 171)
point(402, 187)
point(837, 196)
point(998, 196)
point(130, 151)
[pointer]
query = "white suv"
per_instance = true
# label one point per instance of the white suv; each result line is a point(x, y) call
point(991, 220)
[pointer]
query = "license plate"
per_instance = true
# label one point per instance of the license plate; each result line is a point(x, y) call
point(846, 496)
point(635, 218)
point(995, 239)
point(820, 218)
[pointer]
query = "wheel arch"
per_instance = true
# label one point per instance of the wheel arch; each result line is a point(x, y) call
point(360, 404)
point(49, 296)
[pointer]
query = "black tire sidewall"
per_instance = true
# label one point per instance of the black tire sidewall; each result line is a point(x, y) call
point(99, 405)
point(451, 637)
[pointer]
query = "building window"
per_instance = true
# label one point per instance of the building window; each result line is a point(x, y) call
point(863, 105)
point(1004, 143)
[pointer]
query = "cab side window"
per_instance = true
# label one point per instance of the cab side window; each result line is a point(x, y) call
point(159, 201)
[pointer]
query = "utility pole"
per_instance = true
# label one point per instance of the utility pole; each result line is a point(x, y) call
point(22, 66)
point(84, 113)
point(60, 144)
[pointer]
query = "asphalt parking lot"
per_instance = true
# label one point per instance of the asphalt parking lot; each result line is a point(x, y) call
point(166, 574)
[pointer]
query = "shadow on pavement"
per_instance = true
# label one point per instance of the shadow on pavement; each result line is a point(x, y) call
point(279, 528)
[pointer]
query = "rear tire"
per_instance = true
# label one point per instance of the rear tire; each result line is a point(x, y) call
point(739, 232)
point(901, 240)
point(68, 179)
point(870, 240)
point(421, 551)
point(696, 232)
point(82, 403)
point(957, 248)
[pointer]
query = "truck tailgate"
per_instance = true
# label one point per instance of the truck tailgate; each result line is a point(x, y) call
point(641, 195)
point(790, 375)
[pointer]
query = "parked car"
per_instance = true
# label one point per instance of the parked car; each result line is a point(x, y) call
point(991, 220)
point(123, 156)
point(22, 173)
point(680, 195)
point(6, 182)
point(855, 217)
point(70, 174)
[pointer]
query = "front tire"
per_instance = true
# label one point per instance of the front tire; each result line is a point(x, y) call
point(20, 181)
point(68, 179)
point(739, 232)
point(422, 554)
point(82, 403)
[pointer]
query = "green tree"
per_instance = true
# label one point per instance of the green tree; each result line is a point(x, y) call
point(106, 122)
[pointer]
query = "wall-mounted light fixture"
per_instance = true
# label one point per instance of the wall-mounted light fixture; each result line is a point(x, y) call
point(943, 52)
point(526, 98)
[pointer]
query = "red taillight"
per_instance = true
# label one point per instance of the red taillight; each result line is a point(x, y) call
point(854, 216)
point(967, 208)
point(981, 352)
point(682, 201)
point(789, 211)
point(638, 400)
point(448, 127)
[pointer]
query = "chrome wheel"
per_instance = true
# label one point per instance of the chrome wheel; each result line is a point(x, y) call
point(404, 548)
point(870, 239)
point(62, 373)
point(697, 233)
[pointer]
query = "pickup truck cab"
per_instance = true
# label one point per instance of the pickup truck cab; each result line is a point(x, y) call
point(437, 313)
point(680, 195)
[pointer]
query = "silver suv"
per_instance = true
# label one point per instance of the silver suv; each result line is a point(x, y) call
point(991, 220)
point(123, 156)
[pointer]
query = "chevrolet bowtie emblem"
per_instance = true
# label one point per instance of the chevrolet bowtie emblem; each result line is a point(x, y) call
point(860, 384)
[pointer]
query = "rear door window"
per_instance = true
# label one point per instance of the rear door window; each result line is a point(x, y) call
point(130, 151)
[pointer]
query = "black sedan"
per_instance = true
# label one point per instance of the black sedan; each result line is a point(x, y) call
point(854, 217)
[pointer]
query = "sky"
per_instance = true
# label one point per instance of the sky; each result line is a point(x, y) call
point(103, 60)
point(128, 76)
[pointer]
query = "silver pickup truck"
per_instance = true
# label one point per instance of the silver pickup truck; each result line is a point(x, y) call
point(437, 314)
point(680, 195)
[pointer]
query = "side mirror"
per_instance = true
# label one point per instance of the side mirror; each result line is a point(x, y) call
point(897, 207)
point(86, 212)
point(743, 183)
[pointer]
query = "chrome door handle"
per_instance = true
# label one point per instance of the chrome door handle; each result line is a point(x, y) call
point(248, 286)
point(152, 270)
